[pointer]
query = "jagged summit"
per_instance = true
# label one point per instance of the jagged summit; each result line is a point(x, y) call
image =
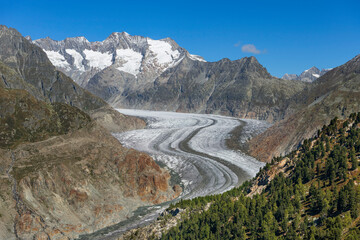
point(130, 71)
point(137, 56)
point(308, 75)
point(312, 69)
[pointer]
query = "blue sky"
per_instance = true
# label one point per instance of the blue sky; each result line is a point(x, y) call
point(285, 36)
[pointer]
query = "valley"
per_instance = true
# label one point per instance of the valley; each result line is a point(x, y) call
point(133, 137)
point(192, 147)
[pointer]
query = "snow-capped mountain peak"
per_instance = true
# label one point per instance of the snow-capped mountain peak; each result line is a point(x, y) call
point(308, 75)
point(134, 55)
point(196, 58)
point(312, 69)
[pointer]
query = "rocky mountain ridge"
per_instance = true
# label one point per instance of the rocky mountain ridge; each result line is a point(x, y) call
point(134, 57)
point(241, 88)
point(159, 75)
point(335, 94)
point(309, 75)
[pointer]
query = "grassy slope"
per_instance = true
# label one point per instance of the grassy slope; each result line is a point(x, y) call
point(26, 119)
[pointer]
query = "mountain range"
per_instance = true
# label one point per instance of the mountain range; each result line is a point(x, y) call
point(134, 57)
point(298, 105)
point(138, 72)
point(309, 75)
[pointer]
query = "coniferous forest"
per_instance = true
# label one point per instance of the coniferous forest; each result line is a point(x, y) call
point(315, 196)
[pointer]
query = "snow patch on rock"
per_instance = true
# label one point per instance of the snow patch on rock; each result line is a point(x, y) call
point(130, 60)
point(196, 58)
point(57, 59)
point(77, 59)
point(164, 55)
point(98, 59)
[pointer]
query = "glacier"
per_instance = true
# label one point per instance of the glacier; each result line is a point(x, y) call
point(192, 147)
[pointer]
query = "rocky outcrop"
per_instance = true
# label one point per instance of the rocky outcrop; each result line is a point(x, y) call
point(336, 94)
point(114, 121)
point(262, 180)
point(65, 175)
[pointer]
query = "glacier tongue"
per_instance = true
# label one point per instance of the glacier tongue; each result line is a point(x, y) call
point(193, 146)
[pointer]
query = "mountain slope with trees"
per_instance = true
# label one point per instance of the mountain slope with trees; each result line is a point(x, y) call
point(312, 193)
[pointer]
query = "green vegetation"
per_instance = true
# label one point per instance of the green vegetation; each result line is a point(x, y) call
point(26, 119)
point(317, 196)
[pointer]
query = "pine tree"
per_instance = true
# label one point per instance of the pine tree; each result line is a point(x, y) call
point(353, 159)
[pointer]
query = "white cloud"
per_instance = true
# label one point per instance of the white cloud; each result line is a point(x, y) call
point(250, 48)
point(237, 44)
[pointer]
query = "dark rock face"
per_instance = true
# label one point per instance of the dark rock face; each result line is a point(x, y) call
point(335, 94)
point(241, 88)
point(38, 75)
